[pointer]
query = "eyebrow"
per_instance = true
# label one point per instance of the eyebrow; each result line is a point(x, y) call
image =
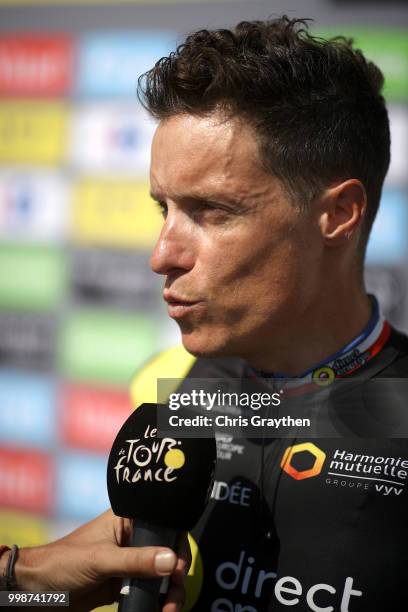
point(213, 199)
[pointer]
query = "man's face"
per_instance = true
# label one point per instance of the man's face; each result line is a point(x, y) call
point(240, 260)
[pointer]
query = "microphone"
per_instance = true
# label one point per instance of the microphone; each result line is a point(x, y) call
point(163, 484)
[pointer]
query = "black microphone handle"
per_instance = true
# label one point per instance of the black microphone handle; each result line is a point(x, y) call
point(144, 592)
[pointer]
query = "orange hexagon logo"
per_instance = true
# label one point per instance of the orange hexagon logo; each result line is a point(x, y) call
point(319, 457)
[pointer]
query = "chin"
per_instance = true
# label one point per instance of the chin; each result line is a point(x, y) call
point(204, 345)
point(200, 350)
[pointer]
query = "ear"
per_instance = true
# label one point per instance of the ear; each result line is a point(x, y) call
point(343, 209)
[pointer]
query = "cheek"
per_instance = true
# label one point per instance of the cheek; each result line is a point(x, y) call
point(264, 270)
point(252, 265)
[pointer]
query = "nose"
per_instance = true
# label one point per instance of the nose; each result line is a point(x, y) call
point(173, 251)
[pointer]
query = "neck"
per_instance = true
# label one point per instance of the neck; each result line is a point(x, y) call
point(317, 332)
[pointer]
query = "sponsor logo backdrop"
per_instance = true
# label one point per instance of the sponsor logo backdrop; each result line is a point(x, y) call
point(79, 310)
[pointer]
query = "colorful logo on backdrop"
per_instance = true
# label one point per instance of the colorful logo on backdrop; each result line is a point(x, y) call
point(26, 529)
point(33, 206)
point(106, 346)
point(386, 47)
point(35, 65)
point(32, 132)
point(33, 398)
point(26, 480)
point(111, 62)
point(116, 213)
point(388, 243)
point(397, 173)
point(112, 137)
point(27, 338)
point(81, 486)
point(38, 280)
point(92, 416)
point(115, 277)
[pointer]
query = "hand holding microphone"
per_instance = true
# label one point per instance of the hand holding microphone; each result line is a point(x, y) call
point(88, 562)
point(163, 484)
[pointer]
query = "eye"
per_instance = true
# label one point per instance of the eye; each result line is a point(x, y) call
point(203, 208)
point(162, 206)
point(209, 213)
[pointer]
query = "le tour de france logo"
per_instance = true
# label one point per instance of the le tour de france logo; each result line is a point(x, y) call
point(149, 458)
point(312, 456)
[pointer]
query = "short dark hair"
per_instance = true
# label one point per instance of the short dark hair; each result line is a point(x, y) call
point(316, 105)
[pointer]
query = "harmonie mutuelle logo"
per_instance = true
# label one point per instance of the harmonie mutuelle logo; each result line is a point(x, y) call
point(309, 472)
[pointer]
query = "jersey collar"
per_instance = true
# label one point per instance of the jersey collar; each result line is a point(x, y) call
point(344, 362)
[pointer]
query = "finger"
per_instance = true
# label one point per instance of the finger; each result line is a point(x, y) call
point(122, 529)
point(183, 560)
point(183, 546)
point(175, 599)
point(143, 562)
point(92, 531)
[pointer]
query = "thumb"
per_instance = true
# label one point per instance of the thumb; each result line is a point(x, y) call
point(141, 562)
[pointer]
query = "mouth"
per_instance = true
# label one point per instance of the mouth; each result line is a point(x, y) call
point(178, 307)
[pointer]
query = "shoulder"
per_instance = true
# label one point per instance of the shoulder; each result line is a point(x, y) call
point(176, 364)
point(173, 363)
point(398, 342)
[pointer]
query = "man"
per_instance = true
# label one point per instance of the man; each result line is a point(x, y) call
point(268, 164)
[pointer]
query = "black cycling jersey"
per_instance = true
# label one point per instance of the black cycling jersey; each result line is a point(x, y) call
point(310, 523)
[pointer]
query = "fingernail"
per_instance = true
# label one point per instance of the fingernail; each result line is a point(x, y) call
point(164, 562)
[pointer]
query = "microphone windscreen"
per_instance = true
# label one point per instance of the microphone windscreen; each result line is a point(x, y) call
point(163, 480)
